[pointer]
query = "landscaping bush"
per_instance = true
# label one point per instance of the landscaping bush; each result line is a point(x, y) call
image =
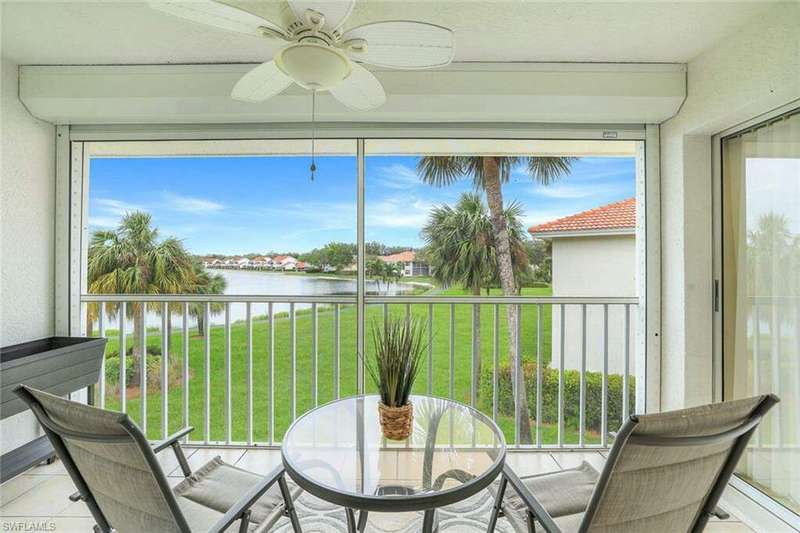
point(132, 373)
point(594, 394)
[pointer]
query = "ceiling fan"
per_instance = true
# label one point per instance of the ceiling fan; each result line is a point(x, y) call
point(318, 55)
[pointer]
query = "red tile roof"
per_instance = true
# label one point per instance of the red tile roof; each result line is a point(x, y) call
point(617, 216)
point(402, 257)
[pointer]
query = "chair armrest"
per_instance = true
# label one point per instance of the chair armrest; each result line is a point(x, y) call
point(538, 510)
point(246, 501)
point(172, 439)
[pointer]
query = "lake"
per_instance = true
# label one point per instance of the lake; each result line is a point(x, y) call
point(249, 282)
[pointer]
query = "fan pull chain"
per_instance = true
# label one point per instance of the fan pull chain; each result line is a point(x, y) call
point(313, 132)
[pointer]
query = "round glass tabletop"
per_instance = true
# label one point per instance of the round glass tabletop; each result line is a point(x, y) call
point(338, 453)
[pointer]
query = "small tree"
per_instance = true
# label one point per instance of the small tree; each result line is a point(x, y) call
point(460, 249)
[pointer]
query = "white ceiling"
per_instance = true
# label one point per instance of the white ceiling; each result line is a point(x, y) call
point(108, 32)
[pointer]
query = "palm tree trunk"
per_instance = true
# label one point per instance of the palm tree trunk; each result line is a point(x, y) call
point(476, 344)
point(494, 199)
point(200, 317)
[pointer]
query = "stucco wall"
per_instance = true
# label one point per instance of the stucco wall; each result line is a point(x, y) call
point(602, 266)
point(752, 71)
point(27, 218)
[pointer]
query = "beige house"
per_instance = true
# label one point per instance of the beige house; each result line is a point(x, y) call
point(411, 265)
point(594, 254)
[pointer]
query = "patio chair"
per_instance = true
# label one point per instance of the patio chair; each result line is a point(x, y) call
point(120, 479)
point(664, 473)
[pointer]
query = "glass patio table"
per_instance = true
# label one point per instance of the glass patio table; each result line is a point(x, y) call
point(337, 453)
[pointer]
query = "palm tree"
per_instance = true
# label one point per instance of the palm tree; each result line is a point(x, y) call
point(132, 259)
point(461, 249)
point(489, 173)
point(206, 283)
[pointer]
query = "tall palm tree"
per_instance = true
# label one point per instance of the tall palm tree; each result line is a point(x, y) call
point(489, 173)
point(132, 259)
point(460, 247)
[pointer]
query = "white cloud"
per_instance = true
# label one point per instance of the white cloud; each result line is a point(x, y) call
point(398, 176)
point(398, 213)
point(189, 204)
point(110, 206)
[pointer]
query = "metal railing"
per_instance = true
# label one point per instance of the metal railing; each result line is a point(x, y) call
point(559, 339)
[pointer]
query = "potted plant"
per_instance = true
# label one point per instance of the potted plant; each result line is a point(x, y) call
point(397, 361)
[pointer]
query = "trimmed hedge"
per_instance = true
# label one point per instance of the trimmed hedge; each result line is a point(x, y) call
point(594, 394)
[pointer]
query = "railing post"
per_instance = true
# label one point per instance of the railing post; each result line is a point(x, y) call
point(314, 355)
point(561, 379)
point(164, 370)
point(495, 358)
point(207, 371)
point(271, 344)
point(539, 375)
point(123, 349)
point(604, 399)
point(452, 351)
point(293, 361)
point(228, 404)
point(185, 332)
point(582, 406)
point(249, 317)
point(102, 325)
point(626, 363)
point(336, 353)
point(430, 349)
point(143, 368)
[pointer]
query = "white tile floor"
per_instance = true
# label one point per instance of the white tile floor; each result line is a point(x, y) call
point(37, 500)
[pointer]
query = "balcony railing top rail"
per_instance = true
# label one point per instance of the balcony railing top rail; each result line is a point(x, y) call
point(369, 298)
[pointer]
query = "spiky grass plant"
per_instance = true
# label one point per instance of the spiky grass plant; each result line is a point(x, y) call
point(398, 358)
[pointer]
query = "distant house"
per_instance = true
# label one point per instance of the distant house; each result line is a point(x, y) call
point(282, 261)
point(593, 254)
point(410, 265)
point(242, 262)
point(301, 265)
point(259, 261)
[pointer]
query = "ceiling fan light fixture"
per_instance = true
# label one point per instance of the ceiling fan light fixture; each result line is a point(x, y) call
point(313, 66)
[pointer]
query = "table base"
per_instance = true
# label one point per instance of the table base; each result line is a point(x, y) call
point(429, 524)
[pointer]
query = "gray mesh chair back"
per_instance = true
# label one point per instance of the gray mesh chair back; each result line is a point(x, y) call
point(666, 471)
point(111, 464)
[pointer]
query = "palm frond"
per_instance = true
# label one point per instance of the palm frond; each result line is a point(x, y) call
point(547, 169)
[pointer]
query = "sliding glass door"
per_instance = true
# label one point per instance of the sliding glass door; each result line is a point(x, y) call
point(761, 294)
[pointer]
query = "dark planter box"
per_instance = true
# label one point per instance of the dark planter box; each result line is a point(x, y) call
point(58, 365)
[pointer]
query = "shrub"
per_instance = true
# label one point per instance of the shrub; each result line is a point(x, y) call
point(153, 371)
point(594, 394)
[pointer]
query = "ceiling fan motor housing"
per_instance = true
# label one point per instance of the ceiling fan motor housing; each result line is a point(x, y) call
point(313, 65)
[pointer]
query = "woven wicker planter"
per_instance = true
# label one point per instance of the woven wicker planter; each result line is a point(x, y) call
point(396, 422)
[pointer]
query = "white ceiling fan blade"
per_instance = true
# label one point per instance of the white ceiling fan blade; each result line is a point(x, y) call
point(261, 83)
point(335, 11)
point(215, 14)
point(360, 91)
point(402, 44)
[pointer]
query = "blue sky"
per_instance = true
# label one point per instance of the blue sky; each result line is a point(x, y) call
point(234, 205)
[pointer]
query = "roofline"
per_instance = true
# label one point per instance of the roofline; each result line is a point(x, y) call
point(604, 232)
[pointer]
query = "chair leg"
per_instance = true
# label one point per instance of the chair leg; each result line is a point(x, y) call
point(720, 513)
point(244, 522)
point(498, 504)
point(289, 505)
point(531, 522)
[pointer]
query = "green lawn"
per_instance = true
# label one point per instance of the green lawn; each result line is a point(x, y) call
point(325, 366)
